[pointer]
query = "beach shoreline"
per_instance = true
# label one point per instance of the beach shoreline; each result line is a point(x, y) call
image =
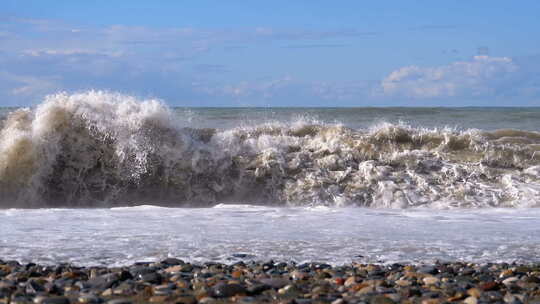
point(176, 281)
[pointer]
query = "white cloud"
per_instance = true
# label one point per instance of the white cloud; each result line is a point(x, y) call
point(42, 56)
point(70, 52)
point(480, 76)
point(23, 88)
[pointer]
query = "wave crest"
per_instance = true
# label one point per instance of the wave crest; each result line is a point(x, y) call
point(105, 149)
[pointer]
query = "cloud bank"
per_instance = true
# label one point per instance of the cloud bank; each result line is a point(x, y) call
point(481, 76)
point(180, 65)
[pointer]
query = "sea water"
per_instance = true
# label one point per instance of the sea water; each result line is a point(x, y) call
point(104, 178)
point(229, 233)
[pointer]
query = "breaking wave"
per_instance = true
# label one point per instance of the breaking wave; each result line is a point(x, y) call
point(104, 149)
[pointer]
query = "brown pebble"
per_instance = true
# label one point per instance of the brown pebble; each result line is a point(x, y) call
point(489, 286)
point(474, 292)
point(381, 300)
point(350, 281)
point(457, 297)
point(158, 299)
point(185, 300)
point(237, 274)
point(173, 269)
point(403, 283)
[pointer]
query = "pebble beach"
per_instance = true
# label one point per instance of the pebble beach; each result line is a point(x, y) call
point(175, 281)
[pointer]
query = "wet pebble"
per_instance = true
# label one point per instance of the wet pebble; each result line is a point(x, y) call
point(174, 281)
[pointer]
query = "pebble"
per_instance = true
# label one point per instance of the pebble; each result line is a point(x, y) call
point(227, 290)
point(427, 270)
point(430, 280)
point(174, 281)
point(470, 300)
point(52, 300)
point(275, 282)
point(510, 281)
point(350, 281)
point(89, 299)
point(381, 300)
point(119, 301)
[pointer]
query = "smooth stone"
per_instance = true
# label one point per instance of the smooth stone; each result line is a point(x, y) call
point(365, 290)
point(299, 275)
point(289, 290)
point(158, 299)
point(531, 279)
point(164, 290)
point(403, 283)
point(139, 270)
point(470, 300)
point(474, 292)
point(393, 296)
point(33, 287)
point(275, 283)
point(506, 273)
point(257, 288)
point(187, 268)
point(227, 290)
point(428, 270)
point(510, 298)
point(103, 282)
point(457, 296)
point(430, 280)
point(247, 300)
point(90, 299)
point(349, 281)
point(510, 281)
point(237, 274)
point(173, 269)
point(207, 300)
point(53, 300)
point(493, 296)
point(488, 286)
point(119, 301)
point(185, 300)
point(381, 300)
point(152, 277)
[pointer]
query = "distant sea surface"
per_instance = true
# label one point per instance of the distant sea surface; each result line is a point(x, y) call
point(484, 118)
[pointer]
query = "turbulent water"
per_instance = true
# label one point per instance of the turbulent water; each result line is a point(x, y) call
point(103, 149)
point(284, 183)
point(228, 233)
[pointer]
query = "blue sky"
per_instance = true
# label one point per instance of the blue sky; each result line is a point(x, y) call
point(276, 53)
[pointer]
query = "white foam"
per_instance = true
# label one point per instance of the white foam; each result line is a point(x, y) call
point(334, 235)
point(106, 149)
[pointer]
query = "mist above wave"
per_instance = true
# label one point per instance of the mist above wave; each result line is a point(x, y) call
point(105, 149)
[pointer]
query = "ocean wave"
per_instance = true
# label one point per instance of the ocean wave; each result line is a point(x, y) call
point(103, 149)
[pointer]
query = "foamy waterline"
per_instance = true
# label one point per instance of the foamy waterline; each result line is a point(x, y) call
point(104, 149)
point(229, 233)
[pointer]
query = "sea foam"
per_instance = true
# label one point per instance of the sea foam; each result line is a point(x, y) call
point(104, 149)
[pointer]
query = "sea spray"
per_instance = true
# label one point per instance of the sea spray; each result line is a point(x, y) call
point(105, 149)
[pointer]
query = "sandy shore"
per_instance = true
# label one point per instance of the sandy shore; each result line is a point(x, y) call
point(174, 281)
